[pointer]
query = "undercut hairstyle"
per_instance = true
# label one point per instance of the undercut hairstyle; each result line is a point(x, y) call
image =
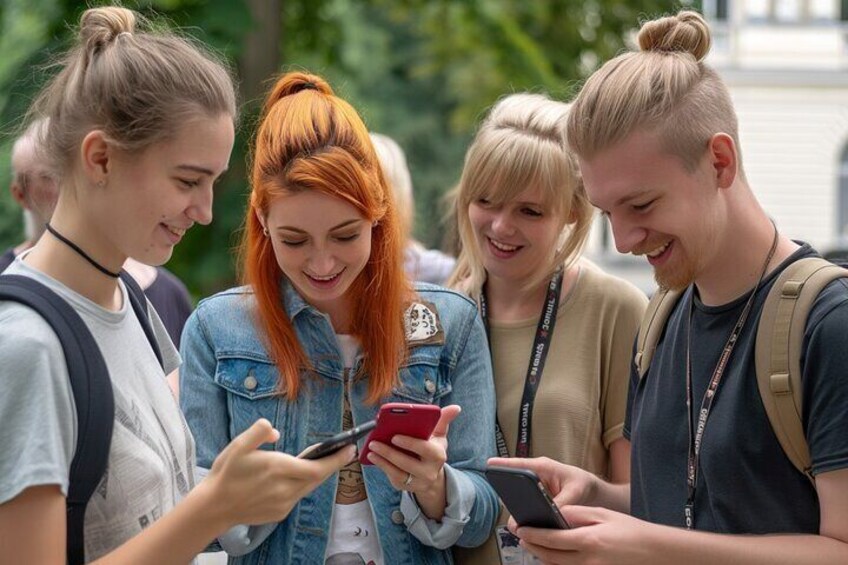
point(664, 88)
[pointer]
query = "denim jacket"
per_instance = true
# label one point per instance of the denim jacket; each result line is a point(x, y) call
point(227, 382)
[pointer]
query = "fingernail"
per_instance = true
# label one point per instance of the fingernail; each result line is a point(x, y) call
point(372, 458)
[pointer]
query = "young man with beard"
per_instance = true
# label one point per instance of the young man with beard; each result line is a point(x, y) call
point(656, 136)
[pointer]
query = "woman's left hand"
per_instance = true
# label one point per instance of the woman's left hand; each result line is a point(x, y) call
point(425, 478)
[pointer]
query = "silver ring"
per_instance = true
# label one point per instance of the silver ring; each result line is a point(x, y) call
point(408, 480)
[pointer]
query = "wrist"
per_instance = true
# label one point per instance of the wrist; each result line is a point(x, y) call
point(207, 501)
point(433, 500)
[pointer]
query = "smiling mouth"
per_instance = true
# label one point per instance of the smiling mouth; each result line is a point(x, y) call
point(504, 246)
point(179, 232)
point(659, 250)
point(326, 279)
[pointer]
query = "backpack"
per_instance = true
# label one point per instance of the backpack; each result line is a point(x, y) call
point(780, 336)
point(91, 387)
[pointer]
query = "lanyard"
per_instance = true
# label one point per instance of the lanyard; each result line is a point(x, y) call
point(539, 354)
point(696, 435)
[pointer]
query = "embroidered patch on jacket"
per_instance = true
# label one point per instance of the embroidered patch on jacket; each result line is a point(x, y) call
point(422, 324)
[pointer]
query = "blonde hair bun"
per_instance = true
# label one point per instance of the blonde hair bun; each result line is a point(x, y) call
point(686, 32)
point(100, 26)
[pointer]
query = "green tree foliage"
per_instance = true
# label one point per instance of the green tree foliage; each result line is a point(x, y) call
point(421, 71)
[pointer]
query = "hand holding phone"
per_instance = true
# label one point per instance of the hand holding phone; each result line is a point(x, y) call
point(338, 441)
point(395, 418)
point(526, 498)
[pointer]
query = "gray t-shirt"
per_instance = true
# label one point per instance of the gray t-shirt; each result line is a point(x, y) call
point(151, 460)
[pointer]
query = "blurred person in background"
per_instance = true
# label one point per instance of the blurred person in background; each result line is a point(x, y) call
point(523, 218)
point(421, 264)
point(33, 187)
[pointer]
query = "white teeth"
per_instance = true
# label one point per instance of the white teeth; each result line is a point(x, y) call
point(176, 231)
point(503, 246)
point(658, 251)
point(327, 278)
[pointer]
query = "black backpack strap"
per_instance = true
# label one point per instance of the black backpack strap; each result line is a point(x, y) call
point(138, 301)
point(92, 390)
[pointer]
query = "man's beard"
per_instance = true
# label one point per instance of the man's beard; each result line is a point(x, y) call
point(678, 275)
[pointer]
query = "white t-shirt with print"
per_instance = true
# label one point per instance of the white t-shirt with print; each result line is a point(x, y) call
point(353, 534)
point(151, 459)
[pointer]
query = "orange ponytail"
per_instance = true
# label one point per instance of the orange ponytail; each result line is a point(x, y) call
point(309, 139)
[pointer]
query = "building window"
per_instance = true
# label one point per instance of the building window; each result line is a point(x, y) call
point(795, 11)
point(716, 10)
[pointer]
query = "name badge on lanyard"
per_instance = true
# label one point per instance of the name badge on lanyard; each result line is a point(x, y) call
point(510, 552)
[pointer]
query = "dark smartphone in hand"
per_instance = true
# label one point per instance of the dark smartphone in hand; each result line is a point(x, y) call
point(338, 441)
point(396, 418)
point(526, 498)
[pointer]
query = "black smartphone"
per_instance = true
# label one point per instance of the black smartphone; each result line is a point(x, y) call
point(526, 498)
point(338, 441)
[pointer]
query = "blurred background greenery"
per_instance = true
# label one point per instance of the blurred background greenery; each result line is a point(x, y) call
point(421, 71)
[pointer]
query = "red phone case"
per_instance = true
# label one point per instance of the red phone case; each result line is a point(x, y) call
point(396, 418)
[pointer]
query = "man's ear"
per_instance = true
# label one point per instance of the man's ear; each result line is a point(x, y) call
point(724, 159)
point(18, 194)
point(97, 155)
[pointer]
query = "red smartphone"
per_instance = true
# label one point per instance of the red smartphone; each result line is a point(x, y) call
point(396, 418)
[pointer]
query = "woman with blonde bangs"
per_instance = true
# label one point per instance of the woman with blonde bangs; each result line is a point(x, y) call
point(560, 330)
point(327, 329)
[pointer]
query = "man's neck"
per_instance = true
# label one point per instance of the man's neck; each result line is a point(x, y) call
point(738, 261)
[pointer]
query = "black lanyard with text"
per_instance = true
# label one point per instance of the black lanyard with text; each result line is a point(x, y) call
point(696, 435)
point(539, 354)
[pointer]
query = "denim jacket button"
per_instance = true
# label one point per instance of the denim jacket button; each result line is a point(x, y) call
point(397, 517)
point(430, 386)
point(250, 382)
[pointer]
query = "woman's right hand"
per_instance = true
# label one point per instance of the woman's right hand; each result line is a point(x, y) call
point(254, 486)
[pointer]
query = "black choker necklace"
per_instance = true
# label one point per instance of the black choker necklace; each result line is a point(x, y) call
point(82, 253)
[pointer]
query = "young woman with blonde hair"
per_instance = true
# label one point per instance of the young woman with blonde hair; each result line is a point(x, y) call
point(560, 329)
point(140, 126)
point(326, 330)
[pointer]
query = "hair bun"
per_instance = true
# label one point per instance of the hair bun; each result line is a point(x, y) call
point(686, 32)
point(100, 26)
point(294, 83)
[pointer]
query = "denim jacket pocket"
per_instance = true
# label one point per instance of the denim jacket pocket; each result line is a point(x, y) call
point(253, 391)
point(421, 381)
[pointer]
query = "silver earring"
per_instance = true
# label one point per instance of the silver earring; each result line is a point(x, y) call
point(375, 224)
point(101, 183)
point(266, 232)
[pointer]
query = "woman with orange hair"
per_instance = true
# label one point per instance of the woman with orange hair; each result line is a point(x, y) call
point(325, 330)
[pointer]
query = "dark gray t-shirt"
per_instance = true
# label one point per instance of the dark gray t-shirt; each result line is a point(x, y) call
point(745, 484)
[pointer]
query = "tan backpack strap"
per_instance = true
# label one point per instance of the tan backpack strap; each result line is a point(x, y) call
point(780, 338)
point(653, 324)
